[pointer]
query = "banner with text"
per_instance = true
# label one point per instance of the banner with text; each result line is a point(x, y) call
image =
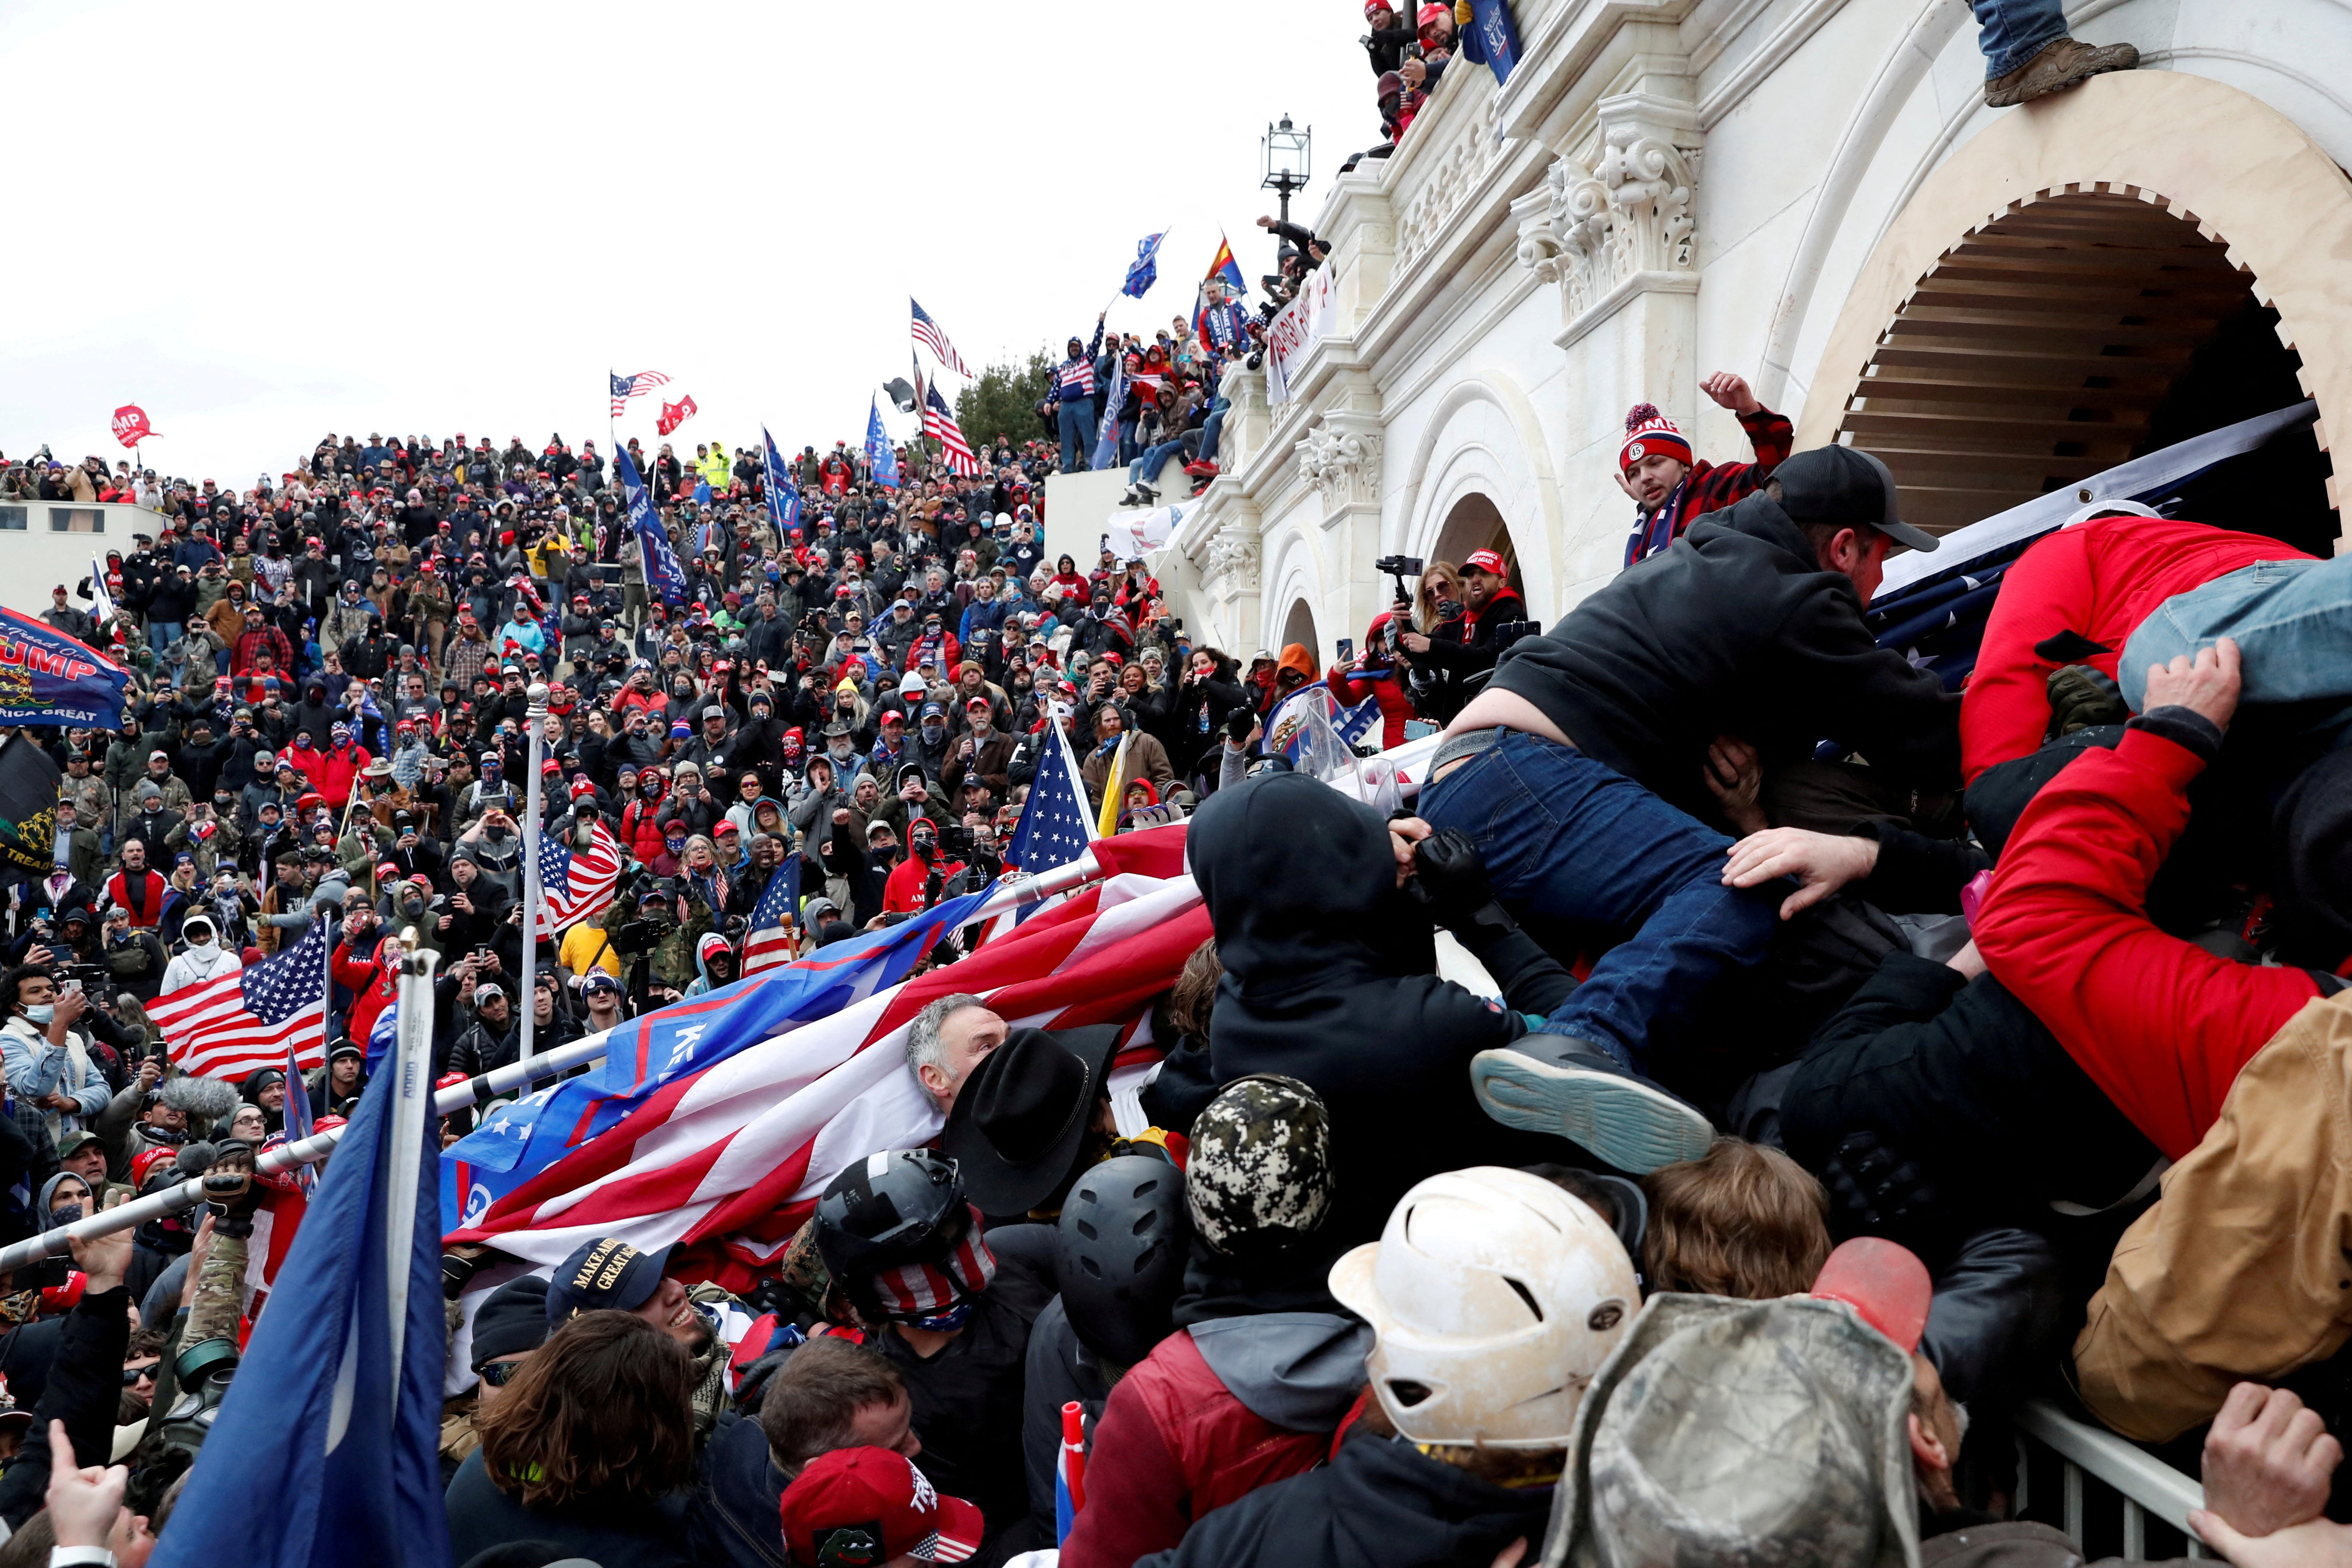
point(1296, 328)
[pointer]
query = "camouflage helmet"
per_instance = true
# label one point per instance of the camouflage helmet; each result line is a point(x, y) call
point(1260, 1179)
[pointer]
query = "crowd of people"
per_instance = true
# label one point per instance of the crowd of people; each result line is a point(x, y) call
point(1963, 1045)
point(1750, 1068)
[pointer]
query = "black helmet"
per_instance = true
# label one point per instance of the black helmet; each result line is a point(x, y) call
point(887, 1211)
point(1123, 1241)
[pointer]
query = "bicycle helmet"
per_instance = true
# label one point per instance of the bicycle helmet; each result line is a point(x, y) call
point(1123, 1241)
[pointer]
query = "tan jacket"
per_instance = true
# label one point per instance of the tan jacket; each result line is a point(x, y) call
point(2243, 1268)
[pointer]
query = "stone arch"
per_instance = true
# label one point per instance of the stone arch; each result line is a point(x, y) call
point(2129, 154)
point(1493, 455)
point(1294, 583)
point(1298, 627)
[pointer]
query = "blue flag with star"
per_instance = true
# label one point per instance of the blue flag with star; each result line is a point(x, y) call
point(1055, 824)
point(878, 452)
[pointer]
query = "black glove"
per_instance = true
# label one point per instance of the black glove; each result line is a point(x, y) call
point(1875, 1190)
point(1449, 877)
point(2082, 698)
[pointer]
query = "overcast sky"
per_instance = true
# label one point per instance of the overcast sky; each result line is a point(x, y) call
point(265, 222)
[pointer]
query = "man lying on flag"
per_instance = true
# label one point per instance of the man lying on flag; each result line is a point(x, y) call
point(715, 1123)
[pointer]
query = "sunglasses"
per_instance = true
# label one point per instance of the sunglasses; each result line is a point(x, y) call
point(499, 1374)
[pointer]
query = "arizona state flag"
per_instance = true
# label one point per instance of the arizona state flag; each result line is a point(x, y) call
point(28, 805)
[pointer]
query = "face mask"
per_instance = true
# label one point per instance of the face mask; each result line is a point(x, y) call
point(64, 1215)
point(934, 733)
point(43, 1012)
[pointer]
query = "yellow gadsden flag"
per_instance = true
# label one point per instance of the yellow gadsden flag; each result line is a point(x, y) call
point(1113, 785)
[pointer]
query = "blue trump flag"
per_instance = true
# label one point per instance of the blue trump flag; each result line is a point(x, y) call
point(48, 677)
point(334, 1418)
point(1492, 38)
point(878, 450)
point(784, 495)
point(1105, 452)
point(663, 575)
point(646, 1053)
point(1144, 271)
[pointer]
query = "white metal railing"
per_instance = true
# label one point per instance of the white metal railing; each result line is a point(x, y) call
point(2144, 1484)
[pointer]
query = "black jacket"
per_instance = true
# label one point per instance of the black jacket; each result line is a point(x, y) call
point(1330, 977)
point(1734, 629)
point(1934, 1105)
point(1379, 1504)
point(621, 1536)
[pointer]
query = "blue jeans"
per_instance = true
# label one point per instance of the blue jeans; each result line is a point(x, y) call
point(1573, 839)
point(2012, 32)
point(1146, 468)
point(2292, 620)
point(1075, 417)
point(161, 635)
point(1213, 429)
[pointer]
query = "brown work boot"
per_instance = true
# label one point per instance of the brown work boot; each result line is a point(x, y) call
point(2062, 63)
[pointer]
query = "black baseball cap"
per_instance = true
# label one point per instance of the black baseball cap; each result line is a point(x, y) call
point(605, 1274)
point(1842, 484)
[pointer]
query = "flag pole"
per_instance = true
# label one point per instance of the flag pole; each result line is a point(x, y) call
point(412, 1115)
point(474, 1091)
point(535, 716)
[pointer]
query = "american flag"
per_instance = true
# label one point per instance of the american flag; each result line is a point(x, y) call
point(574, 885)
point(628, 386)
point(239, 1023)
point(772, 918)
point(940, 426)
point(928, 334)
point(1055, 826)
point(647, 1059)
point(727, 1161)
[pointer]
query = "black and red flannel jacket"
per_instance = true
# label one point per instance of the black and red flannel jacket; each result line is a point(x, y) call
point(1710, 486)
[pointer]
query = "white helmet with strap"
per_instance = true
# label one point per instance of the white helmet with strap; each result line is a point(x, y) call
point(1494, 1296)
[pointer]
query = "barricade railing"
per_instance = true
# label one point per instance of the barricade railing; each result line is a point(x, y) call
point(2096, 1471)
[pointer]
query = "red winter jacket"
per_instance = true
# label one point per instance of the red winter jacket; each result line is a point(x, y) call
point(337, 766)
point(374, 983)
point(1173, 1444)
point(2160, 1024)
point(638, 831)
point(2100, 579)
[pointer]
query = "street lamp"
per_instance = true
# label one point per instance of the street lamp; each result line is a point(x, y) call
point(1287, 154)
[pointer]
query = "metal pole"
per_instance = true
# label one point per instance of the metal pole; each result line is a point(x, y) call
point(535, 716)
point(412, 1117)
point(458, 1097)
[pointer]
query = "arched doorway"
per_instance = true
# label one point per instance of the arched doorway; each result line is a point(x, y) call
point(1476, 523)
point(2141, 265)
point(1298, 627)
point(2068, 334)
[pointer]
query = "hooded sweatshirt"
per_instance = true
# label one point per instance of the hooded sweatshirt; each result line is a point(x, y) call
point(1330, 977)
point(1737, 628)
point(1379, 1504)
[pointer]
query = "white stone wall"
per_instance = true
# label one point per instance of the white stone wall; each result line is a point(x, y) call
point(1662, 190)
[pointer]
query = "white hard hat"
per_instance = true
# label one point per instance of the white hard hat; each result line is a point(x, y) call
point(1494, 1296)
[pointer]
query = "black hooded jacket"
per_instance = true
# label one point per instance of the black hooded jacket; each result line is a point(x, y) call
point(1735, 629)
point(1379, 1504)
point(1330, 977)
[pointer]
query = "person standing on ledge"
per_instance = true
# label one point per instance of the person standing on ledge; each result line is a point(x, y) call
point(1655, 464)
point(2028, 54)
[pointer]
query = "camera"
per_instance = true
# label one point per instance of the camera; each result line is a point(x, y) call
point(1399, 567)
point(1510, 632)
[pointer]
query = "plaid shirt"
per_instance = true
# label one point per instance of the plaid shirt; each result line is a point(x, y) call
point(1709, 486)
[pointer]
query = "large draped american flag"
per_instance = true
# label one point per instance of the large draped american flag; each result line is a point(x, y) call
point(728, 1163)
point(575, 883)
point(249, 1018)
